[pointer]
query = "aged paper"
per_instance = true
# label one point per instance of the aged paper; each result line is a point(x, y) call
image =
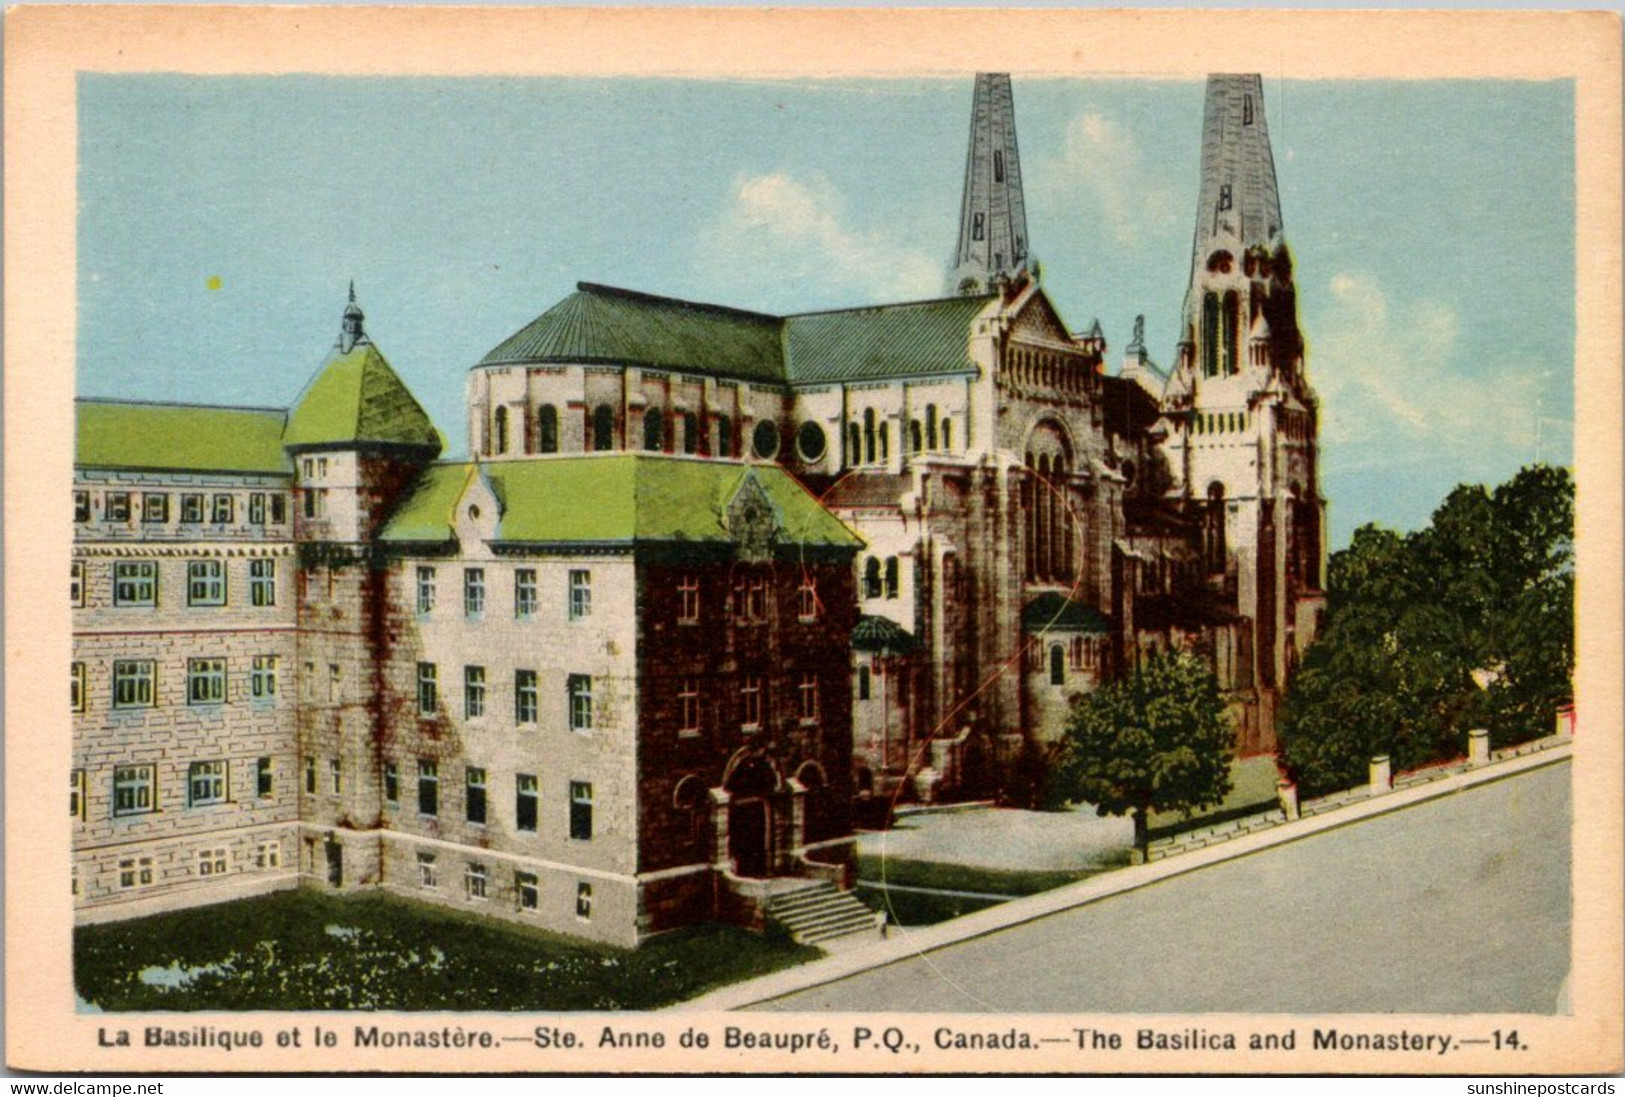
point(793, 149)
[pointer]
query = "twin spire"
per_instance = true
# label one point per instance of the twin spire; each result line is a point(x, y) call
point(993, 213)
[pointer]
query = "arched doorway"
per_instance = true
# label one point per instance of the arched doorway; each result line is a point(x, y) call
point(751, 788)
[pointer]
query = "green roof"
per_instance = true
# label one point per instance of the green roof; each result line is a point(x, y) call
point(356, 397)
point(612, 499)
point(179, 437)
point(602, 324)
point(1051, 611)
point(882, 634)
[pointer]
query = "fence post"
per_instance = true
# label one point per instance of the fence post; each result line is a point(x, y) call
point(1478, 747)
point(1287, 792)
point(1382, 775)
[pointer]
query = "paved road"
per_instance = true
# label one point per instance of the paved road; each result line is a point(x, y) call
point(1456, 905)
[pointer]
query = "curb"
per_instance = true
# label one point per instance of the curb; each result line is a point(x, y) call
point(906, 944)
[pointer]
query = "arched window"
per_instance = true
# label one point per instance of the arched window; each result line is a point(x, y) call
point(654, 430)
point(891, 577)
point(1210, 334)
point(854, 444)
point(869, 435)
point(502, 430)
point(547, 429)
point(931, 426)
point(864, 685)
point(725, 436)
point(603, 428)
point(871, 577)
point(1057, 665)
point(691, 432)
point(885, 441)
point(948, 434)
point(915, 444)
point(1213, 534)
point(1232, 323)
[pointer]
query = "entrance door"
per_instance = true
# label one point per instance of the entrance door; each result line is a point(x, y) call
point(335, 864)
point(748, 836)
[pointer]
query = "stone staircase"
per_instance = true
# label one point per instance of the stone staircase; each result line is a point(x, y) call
point(818, 912)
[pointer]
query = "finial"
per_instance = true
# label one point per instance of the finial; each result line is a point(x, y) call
point(351, 332)
point(352, 291)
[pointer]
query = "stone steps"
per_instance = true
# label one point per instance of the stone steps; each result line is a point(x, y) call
point(820, 913)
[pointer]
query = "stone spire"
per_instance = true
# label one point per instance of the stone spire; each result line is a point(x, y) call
point(1238, 206)
point(351, 332)
point(993, 215)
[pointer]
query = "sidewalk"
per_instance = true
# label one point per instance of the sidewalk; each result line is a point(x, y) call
point(905, 944)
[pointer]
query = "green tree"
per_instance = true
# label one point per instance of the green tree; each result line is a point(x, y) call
point(1467, 623)
point(1158, 740)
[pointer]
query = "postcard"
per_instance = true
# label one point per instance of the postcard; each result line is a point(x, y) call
point(812, 541)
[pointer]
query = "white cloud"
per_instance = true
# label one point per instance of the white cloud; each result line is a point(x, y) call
point(798, 233)
point(1393, 385)
point(1101, 173)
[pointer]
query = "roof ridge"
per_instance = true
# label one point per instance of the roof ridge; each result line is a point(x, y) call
point(661, 299)
point(178, 404)
point(916, 303)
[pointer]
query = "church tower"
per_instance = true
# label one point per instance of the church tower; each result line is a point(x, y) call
point(992, 214)
point(1242, 418)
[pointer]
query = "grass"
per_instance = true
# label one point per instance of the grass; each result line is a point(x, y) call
point(304, 950)
point(1252, 789)
point(913, 908)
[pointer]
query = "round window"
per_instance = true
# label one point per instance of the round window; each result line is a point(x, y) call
point(474, 512)
point(765, 439)
point(810, 442)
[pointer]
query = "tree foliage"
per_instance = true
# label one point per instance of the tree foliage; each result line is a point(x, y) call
point(1158, 740)
point(1468, 623)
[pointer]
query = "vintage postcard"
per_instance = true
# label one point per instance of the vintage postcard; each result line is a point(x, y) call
point(812, 541)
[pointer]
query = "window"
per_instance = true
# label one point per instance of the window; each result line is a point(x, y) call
point(584, 901)
point(279, 508)
point(580, 811)
point(191, 508)
point(335, 682)
point(135, 583)
point(474, 799)
point(524, 593)
point(524, 802)
point(1224, 196)
point(473, 693)
point(321, 466)
point(264, 782)
point(603, 428)
point(262, 582)
point(871, 577)
point(750, 702)
point(525, 884)
point(425, 589)
point(206, 583)
point(473, 591)
point(426, 873)
point(765, 439)
point(751, 594)
point(580, 594)
point(476, 882)
point(205, 783)
point(315, 502)
point(268, 855)
point(725, 436)
point(392, 784)
point(133, 681)
point(654, 430)
point(134, 872)
point(502, 429)
point(428, 787)
point(691, 432)
point(262, 677)
point(118, 506)
point(809, 698)
point(335, 776)
point(76, 692)
point(81, 506)
point(524, 696)
point(807, 599)
point(1246, 110)
point(205, 681)
point(892, 583)
point(688, 699)
point(1057, 665)
point(865, 683)
point(976, 226)
point(579, 688)
point(256, 508)
point(688, 592)
point(155, 507)
point(76, 584)
point(998, 166)
point(222, 509)
point(428, 698)
point(310, 774)
point(76, 794)
point(212, 861)
point(134, 789)
point(547, 429)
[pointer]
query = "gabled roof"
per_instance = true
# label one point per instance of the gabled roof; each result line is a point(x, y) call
point(178, 437)
point(1052, 612)
point(357, 398)
point(613, 499)
point(603, 324)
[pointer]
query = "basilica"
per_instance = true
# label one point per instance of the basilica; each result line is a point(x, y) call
point(712, 588)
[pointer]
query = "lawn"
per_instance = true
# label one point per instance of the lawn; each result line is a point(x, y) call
point(308, 950)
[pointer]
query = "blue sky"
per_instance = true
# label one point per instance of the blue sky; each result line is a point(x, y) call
point(1432, 225)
